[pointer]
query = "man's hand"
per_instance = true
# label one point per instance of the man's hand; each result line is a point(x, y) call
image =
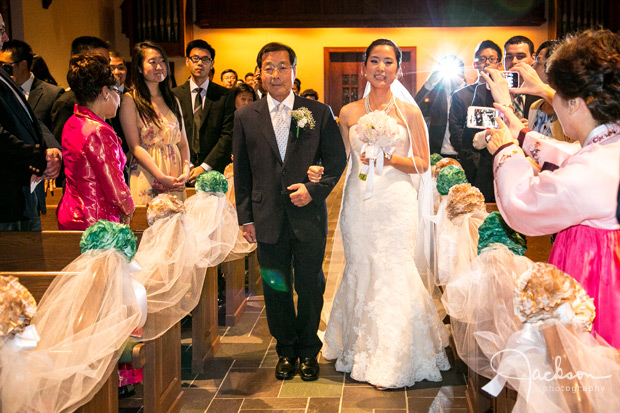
point(249, 232)
point(193, 174)
point(53, 156)
point(301, 197)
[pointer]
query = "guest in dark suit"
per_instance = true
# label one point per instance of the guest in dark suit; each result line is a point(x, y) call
point(40, 95)
point(281, 210)
point(63, 107)
point(208, 111)
point(26, 157)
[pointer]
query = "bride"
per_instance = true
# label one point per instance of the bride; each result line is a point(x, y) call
point(384, 328)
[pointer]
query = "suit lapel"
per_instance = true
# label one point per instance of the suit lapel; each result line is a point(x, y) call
point(186, 99)
point(29, 122)
point(266, 127)
point(36, 92)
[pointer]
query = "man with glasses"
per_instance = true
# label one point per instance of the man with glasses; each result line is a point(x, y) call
point(208, 111)
point(28, 154)
point(487, 54)
point(516, 49)
point(16, 57)
point(278, 208)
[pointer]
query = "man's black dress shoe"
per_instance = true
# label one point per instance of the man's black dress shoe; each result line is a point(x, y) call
point(309, 369)
point(285, 369)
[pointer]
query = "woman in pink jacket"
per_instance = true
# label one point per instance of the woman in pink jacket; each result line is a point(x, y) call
point(92, 153)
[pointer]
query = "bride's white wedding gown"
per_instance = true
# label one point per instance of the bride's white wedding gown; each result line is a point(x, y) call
point(384, 328)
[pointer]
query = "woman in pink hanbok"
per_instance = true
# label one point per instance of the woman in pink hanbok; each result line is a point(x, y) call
point(573, 189)
point(92, 152)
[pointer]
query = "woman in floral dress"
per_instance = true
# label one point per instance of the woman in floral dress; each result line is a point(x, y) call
point(151, 120)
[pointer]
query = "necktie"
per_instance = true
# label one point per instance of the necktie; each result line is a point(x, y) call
point(518, 103)
point(282, 129)
point(195, 144)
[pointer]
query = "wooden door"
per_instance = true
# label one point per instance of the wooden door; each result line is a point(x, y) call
point(344, 82)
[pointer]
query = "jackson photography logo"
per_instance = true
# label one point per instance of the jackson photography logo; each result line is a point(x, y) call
point(551, 377)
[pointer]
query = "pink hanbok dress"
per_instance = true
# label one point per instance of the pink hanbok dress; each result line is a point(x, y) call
point(575, 195)
point(94, 161)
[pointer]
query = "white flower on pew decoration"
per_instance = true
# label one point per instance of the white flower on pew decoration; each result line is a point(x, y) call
point(547, 293)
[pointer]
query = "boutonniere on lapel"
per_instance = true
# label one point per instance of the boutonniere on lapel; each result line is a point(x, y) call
point(302, 117)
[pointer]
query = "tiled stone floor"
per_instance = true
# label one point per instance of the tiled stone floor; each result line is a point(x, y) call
point(241, 376)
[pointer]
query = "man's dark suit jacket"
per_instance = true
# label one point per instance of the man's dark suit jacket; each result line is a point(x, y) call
point(62, 110)
point(434, 107)
point(22, 153)
point(216, 128)
point(41, 99)
point(261, 178)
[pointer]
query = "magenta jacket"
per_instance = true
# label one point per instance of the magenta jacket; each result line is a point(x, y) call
point(94, 160)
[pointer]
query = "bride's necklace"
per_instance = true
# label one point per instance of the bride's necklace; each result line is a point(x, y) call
point(387, 109)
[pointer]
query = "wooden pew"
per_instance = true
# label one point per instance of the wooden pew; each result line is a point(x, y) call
point(35, 258)
point(49, 221)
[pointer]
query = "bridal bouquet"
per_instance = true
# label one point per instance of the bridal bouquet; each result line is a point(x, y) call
point(378, 131)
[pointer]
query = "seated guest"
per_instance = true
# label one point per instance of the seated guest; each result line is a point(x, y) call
point(575, 194)
point(244, 94)
point(310, 94)
point(296, 86)
point(228, 78)
point(93, 156)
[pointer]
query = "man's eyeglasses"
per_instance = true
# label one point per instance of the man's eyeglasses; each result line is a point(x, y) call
point(270, 70)
point(489, 60)
point(206, 59)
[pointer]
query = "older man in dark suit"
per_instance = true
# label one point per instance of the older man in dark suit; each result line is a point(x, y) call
point(208, 111)
point(275, 141)
point(17, 56)
point(26, 157)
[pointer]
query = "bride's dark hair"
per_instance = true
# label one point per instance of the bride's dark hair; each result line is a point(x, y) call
point(384, 42)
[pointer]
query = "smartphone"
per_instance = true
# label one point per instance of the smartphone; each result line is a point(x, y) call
point(479, 117)
point(512, 78)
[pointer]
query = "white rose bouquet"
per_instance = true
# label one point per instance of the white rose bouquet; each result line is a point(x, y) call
point(378, 131)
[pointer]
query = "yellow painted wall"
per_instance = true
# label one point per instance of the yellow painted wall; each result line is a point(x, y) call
point(50, 32)
point(237, 48)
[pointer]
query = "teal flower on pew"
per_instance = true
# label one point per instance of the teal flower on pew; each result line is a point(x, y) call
point(448, 177)
point(435, 158)
point(105, 234)
point(212, 181)
point(495, 230)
